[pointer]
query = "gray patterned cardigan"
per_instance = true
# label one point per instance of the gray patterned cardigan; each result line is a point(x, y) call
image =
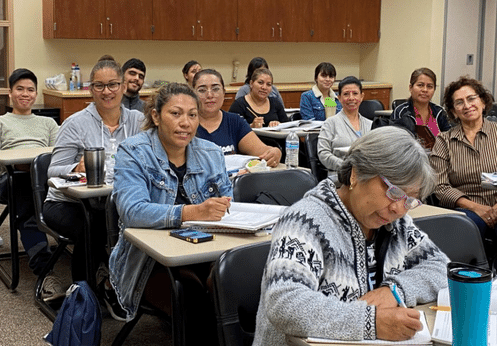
point(316, 271)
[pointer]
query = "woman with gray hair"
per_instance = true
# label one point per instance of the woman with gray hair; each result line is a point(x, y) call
point(336, 253)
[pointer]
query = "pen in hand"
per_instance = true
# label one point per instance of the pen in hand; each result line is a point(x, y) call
point(218, 194)
point(393, 288)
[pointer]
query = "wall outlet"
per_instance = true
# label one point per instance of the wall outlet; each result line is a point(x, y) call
point(470, 59)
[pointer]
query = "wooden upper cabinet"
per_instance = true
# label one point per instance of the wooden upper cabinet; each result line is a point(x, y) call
point(339, 21)
point(256, 21)
point(216, 20)
point(129, 19)
point(74, 19)
point(174, 20)
point(293, 20)
point(364, 21)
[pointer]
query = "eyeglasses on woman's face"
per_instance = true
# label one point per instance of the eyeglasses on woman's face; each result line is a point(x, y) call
point(395, 194)
point(471, 99)
point(203, 91)
point(112, 86)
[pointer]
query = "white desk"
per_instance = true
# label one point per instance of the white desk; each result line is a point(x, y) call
point(9, 158)
point(282, 133)
point(430, 210)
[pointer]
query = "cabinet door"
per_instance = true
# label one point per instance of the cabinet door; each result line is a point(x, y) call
point(364, 21)
point(329, 20)
point(79, 19)
point(256, 21)
point(216, 20)
point(129, 19)
point(292, 20)
point(174, 20)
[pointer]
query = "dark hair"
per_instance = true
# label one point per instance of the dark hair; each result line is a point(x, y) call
point(207, 71)
point(260, 71)
point(134, 63)
point(107, 63)
point(420, 71)
point(349, 80)
point(483, 93)
point(22, 73)
point(161, 97)
point(189, 65)
point(253, 65)
point(326, 69)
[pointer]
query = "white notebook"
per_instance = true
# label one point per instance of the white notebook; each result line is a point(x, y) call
point(420, 338)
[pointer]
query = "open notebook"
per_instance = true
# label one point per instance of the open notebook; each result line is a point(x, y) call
point(243, 218)
point(420, 338)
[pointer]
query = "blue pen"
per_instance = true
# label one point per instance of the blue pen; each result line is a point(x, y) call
point(393, 288)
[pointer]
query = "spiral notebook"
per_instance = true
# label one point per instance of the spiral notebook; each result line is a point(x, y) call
point(242, 218)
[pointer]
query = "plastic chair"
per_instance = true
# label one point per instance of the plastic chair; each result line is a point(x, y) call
point(295, 116)
point(39, 178)
point(237, 276)
point(367, 108)
point(311, 148)
point(112, 222)
point(291, 184)
point(457, 236)
point(397, 102)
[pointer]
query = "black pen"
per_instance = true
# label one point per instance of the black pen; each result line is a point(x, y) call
point(218, 194)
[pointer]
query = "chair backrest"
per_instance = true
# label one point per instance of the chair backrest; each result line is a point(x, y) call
point(112, 221)
point(39, 183)
point(397, 102)
point(295, 116)
point(311, 148)
point(290, 184)
point(457, 236)
point(237, 290)
point(367, 108)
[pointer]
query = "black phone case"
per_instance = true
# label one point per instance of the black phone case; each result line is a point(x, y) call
point(192, 236)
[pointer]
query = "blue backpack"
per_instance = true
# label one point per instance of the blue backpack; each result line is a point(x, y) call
point(79, 320)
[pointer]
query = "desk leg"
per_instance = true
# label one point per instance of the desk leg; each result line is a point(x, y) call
point(177, 308)
point(12, 281)
point(90, 265)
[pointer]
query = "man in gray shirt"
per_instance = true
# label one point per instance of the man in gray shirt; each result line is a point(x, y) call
point(134, 76)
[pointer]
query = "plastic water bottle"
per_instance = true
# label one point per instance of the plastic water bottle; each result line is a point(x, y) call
point(77, 73)
point(110, 162)
point(292, 150)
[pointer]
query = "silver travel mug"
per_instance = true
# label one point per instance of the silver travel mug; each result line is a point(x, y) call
point(94, 166)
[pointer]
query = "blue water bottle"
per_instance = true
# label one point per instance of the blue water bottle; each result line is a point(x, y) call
point(469, 290)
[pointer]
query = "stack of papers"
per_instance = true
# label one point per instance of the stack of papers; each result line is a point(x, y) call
point(489, 178)
point(61, 183)
point(242, 218)
point(236, 162)
point(301, 125)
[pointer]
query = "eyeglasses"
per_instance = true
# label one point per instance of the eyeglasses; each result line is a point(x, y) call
point(471, 99)
point(395, 194)
point(112, 86)
point(215, 90)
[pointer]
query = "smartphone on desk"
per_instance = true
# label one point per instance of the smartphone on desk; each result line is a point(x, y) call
point(192, 235)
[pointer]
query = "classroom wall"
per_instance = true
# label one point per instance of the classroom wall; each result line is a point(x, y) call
point(411, 37)
point(391, 60)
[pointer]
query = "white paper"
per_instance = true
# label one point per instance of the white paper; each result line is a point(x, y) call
point(442, 329)
point(237, 161)
point(300, 124)
point(444, 299)
point(420, 338)
point(61, 183)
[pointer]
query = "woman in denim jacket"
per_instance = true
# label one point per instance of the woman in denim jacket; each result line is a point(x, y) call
point(163, 176)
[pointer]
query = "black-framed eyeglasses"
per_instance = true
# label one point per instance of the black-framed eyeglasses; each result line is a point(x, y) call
point(395, 194)
point(112, 86)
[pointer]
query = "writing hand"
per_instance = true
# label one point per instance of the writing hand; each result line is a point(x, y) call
point(274, 123)
point(397, 324)
point(212, 209)
point(272, 156)
point(258, 122)
point(381, 297)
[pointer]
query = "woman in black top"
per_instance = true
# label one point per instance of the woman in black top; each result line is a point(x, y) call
point(256, 107)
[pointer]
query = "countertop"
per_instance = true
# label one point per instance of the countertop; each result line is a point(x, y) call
point(230, 89)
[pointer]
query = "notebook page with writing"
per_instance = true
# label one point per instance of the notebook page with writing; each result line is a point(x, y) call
point(420, 338)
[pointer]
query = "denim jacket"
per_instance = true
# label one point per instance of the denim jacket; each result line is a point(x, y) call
point(312, 104)
point(145, 189)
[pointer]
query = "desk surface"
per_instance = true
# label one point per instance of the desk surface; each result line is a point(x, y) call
point(430, 210)
point(21, 156)
point(87, 192)
point(430, 321)
point(281, 134)
point(173, 252)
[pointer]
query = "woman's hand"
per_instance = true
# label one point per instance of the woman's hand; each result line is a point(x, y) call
point(274, 123)
point(397, 323)
point(212, 209)
point(381, 297)
point(80, 168)
point(487, 214)
point(258, 122)
point(272, 156)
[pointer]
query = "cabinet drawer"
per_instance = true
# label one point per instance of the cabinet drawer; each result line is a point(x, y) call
point(73, 105)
